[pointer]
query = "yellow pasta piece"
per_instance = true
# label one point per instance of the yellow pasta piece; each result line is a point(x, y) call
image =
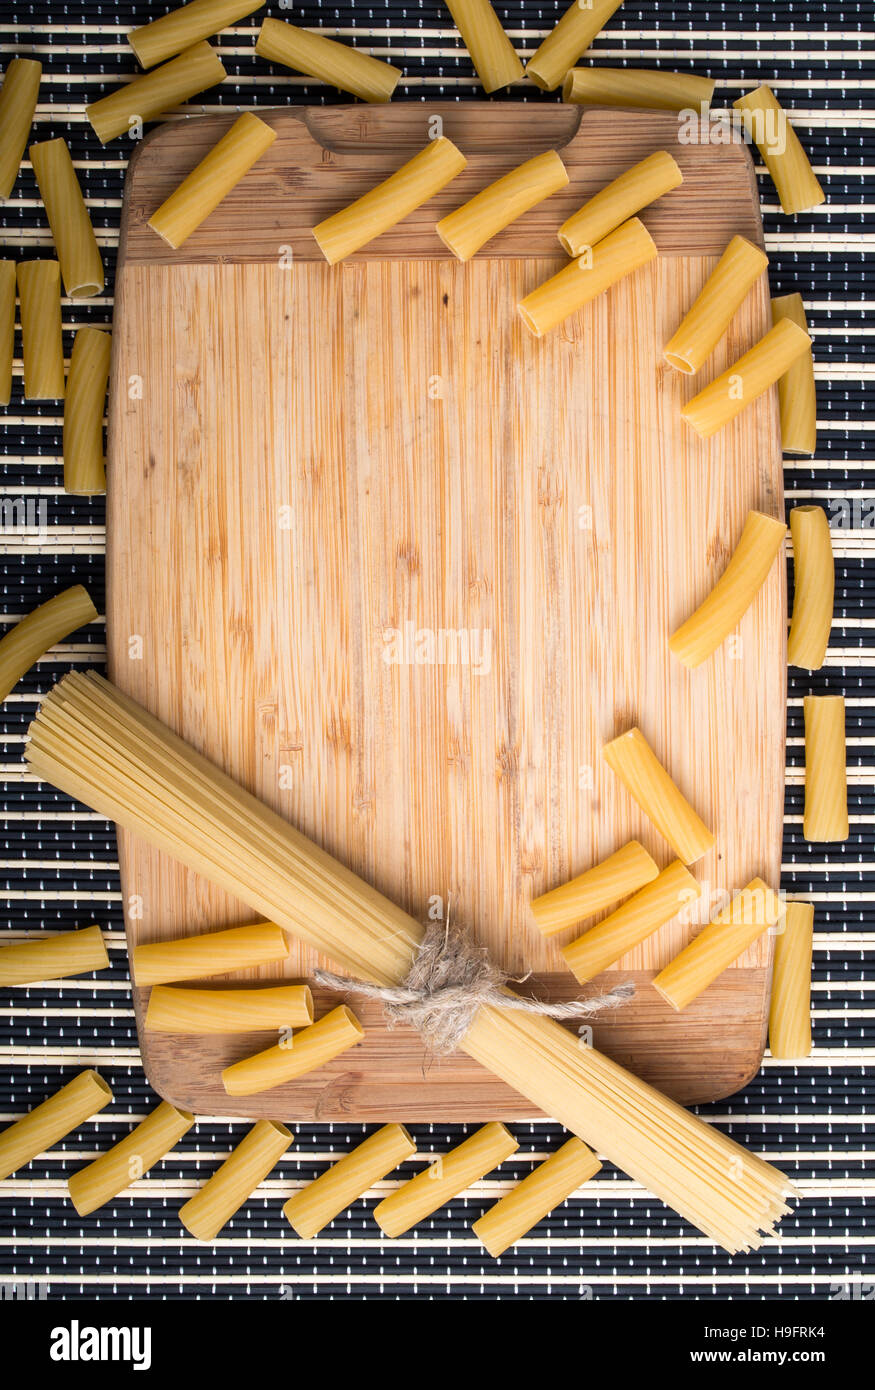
point(492, 53)
point(650, 88)
point(42, 347)
point(156, 92)
point(628, 248)
point(797, 395)
point(72, 232)
point(444, 1179)
point(790, 1010)
point(721, 612)
point(84, 465)
point(826, 778)
point(326, 59)
point(151, 1140)
point(173, 32)
point(375, 212)
point(751, 912)
point(212, 1207)
point(98, 745)
point(633, 190)
point(18, 98)
point(768, 126)
point(494, 208)
point(702, 327)
point(345, 1181)
point(212, 953)
point(747, 379)
point(642, 774)
point(294, 1056)
point(48, 1123)
point(814, 588)
point(632, 922)
point(7, 328)
point(40, 630)
point(53, 957)
point(212, 180)
point(621, 874)
point(569, 40)
point(264, 1009)
point(545, 1188)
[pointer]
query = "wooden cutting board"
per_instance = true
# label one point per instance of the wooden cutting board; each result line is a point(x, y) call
point(402, 569)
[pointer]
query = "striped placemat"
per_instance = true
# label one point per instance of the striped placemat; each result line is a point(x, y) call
point(58, 864)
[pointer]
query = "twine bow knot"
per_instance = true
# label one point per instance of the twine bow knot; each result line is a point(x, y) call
point(450, 979)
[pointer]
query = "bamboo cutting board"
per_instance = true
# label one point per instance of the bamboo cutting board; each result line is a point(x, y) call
point(402, 569)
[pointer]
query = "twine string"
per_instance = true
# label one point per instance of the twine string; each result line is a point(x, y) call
point(450, 979)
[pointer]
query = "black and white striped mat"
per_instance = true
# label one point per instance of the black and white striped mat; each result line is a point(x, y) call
point(57, 863)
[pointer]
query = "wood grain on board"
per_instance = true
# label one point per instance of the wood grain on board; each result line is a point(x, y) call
point(402, 569)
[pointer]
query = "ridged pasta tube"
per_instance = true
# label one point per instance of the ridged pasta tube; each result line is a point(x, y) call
point(40, 630)
point(53, 957)
point(814, 588)
point(212, 1207)
point(720, 613)
point(642, 774)
point(84, 404)
point(72, 232)
point(770, 129)
point(622, 873)
point(790, 1009)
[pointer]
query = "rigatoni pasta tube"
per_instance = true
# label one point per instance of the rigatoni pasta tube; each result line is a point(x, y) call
point(267, 1009)
point(647, 87)
point(826, 778)
point(153, 43)
point(311, 1209)
point(621, 874)
point(444, 1179)
point(84, 463)
point(155, 92)
point(813, 588)
point(703, 632)
point(625, 195)
point(42, 347)
point(7, 328)
point(769, 127)
point(375, 212)
point(18, 98)
point(747, 379)
point(201, 192)
point(72, 232)
point(489, 211)
point(48, 1123)
point(127, 1161)
point(213, 953)
point(704, 324)
point(632, 922)
point(628, 248)
point(790, 1008)
point(569, 40)
point(492, 53)
point(545, 1188)
point(39, 630)
point(751, 912)
point(94, 743)
point(326, 59)
point(797, 394)
point(642, 774)
point(306, 1051)
point(53, 957)
point(212, 1207)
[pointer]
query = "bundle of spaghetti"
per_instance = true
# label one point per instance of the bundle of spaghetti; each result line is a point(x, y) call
point(99, 746)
